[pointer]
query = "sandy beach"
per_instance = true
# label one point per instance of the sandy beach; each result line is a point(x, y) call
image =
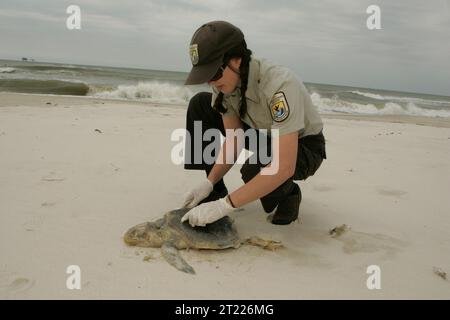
point(76, 173)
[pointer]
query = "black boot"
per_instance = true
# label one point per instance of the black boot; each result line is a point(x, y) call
point(288, 210)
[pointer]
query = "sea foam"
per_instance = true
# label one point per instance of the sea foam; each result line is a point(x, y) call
point(149, 91)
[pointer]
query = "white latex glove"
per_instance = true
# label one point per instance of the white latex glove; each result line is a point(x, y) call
point(208, 212)
point(197, 194)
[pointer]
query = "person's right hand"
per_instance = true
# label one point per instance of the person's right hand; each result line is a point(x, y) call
point(197, 194)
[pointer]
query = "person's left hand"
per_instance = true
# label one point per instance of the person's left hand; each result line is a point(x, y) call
point(208, 212)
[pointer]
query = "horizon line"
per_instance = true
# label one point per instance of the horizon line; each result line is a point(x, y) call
point(141, 68)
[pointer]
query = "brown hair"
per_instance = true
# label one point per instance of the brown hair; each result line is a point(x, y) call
point(240, 51)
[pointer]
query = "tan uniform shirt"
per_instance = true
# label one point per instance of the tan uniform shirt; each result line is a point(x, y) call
point(276, 99)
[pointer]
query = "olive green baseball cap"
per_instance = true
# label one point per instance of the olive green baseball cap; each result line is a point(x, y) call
point(207, 49)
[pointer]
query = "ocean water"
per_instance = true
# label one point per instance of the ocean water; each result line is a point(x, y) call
point(167, 87)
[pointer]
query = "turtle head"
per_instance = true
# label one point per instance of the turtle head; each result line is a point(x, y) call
point(144, 235)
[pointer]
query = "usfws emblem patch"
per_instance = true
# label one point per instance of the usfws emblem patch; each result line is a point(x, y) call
point(279, 107)
point(193, 52)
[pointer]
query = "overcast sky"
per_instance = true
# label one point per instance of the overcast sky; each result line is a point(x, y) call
point(323, 41)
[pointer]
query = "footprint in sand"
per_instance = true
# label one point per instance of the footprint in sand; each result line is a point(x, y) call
point(323, 188)
point(391, 192)
point(34, 223)
point(52, 177)
point(12, 285)
point(47, 204)
point(361, 242)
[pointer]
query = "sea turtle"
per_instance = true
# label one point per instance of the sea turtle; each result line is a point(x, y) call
point(169, 234)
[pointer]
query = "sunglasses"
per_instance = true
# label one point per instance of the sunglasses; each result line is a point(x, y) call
point(219, 73)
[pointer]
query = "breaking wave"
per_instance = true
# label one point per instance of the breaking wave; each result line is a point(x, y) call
point(148, 91)
point(400, 99)
point(7, 70)
point(336, 105)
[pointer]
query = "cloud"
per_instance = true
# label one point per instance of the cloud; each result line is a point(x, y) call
point(323, 41)
point(29, 15)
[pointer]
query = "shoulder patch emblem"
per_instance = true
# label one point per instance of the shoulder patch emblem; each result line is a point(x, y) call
point(279, 107)
point(193, 53)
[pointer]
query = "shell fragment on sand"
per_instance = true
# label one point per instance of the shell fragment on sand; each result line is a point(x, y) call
point(441, 273)
point(338, 231)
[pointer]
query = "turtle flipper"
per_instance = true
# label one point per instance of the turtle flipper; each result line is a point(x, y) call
point(173, 257)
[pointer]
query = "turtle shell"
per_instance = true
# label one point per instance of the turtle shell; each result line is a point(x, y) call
point(220, 234)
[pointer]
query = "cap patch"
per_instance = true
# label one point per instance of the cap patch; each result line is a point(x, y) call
point(193, 52)
point(279, 107)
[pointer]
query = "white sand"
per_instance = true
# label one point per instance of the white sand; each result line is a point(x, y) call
point(68, 193)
